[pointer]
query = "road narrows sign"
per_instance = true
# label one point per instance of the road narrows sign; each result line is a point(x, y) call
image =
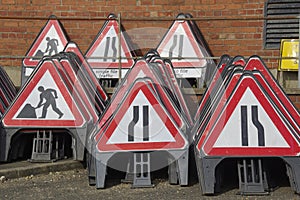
point(183, 46)
point(141, 69)
point(103, 54)
point(250, 124)
point(141, 123)
point(255, 63)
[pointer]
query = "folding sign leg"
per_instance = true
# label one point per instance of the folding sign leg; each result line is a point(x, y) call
point(129, 171)
point(79, 139)
point(91, 167)
point(91, 160)
point(206, 173)
point(42, 146)
point(5, 140)
point(182, 166)
point(141, 169)
point(293, 172)
point(251, 177)
point(101, 166)
point(172, 169)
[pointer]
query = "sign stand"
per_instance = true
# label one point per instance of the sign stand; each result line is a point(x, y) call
point(131, 127)
point(293, 171)
point(42, 146)
point(65, 114)
point(47, 147)
point(252, 177)
point(184, 46)
point(141, 170)
point(255, 125)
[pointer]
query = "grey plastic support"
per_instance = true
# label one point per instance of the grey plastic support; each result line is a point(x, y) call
point(252, 177)
point(206, 168)
point(129, 172)
point(101, 160)
point(91, 168)
point(79, 136)
point(5, 139)
point(141, 170)
point(42, 146)
point(182, 161)
point(78, 142)
point(172, 170)
point(293, 171)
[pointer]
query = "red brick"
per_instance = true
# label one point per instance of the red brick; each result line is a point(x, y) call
point(146, 2)
point(8, 1)
point(223, 36)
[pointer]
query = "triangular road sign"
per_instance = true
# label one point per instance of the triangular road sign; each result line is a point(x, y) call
point(255, 63)
point(44, 101)
point(51, 40)
point(180, 44)
point(142, 69)
point(72, 47)
point(249, 125)
point(209, 92)
point(141, 123)
point(218, 78)
point(105, 49)
point(64, 65)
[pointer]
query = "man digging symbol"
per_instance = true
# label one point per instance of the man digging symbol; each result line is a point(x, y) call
point(51, 46)
point(49, 95)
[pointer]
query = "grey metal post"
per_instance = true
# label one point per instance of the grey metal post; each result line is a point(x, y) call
point(119, 48)
point(299, 55)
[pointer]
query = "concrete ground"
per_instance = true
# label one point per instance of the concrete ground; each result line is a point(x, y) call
point(67, 179)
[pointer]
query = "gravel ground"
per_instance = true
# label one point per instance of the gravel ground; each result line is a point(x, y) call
point(74, 185)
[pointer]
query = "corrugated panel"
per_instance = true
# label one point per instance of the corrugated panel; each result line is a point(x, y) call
point(277, 29)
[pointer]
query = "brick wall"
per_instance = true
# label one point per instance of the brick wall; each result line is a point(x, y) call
point(226, 25)
point(295, 98)
point(232, 37)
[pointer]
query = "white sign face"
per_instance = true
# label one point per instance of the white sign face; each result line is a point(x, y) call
point(190, 72)
point(243, 122)
point(109, 73)
point(28, 71)
point(49, 42)
point(182, 48)
point(107, 50)
point(50, 45)
point(179, 45)
point(142, 112)
point(45, 102)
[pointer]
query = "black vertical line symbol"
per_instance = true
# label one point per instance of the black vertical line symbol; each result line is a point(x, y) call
point(173, 46)
point(106, 49)
point(180, 46)
point(244, 124)
point(114, 48)
point(133, 123)
point(145, 123)
point(258, 125)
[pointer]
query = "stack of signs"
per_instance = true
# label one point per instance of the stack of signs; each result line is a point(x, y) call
point(146, 114)
point(245, 113)
point(7, 91)
point(51, 40)
point(58, 95)
point(185, 46)
point(110, 52)
point(86, 68)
